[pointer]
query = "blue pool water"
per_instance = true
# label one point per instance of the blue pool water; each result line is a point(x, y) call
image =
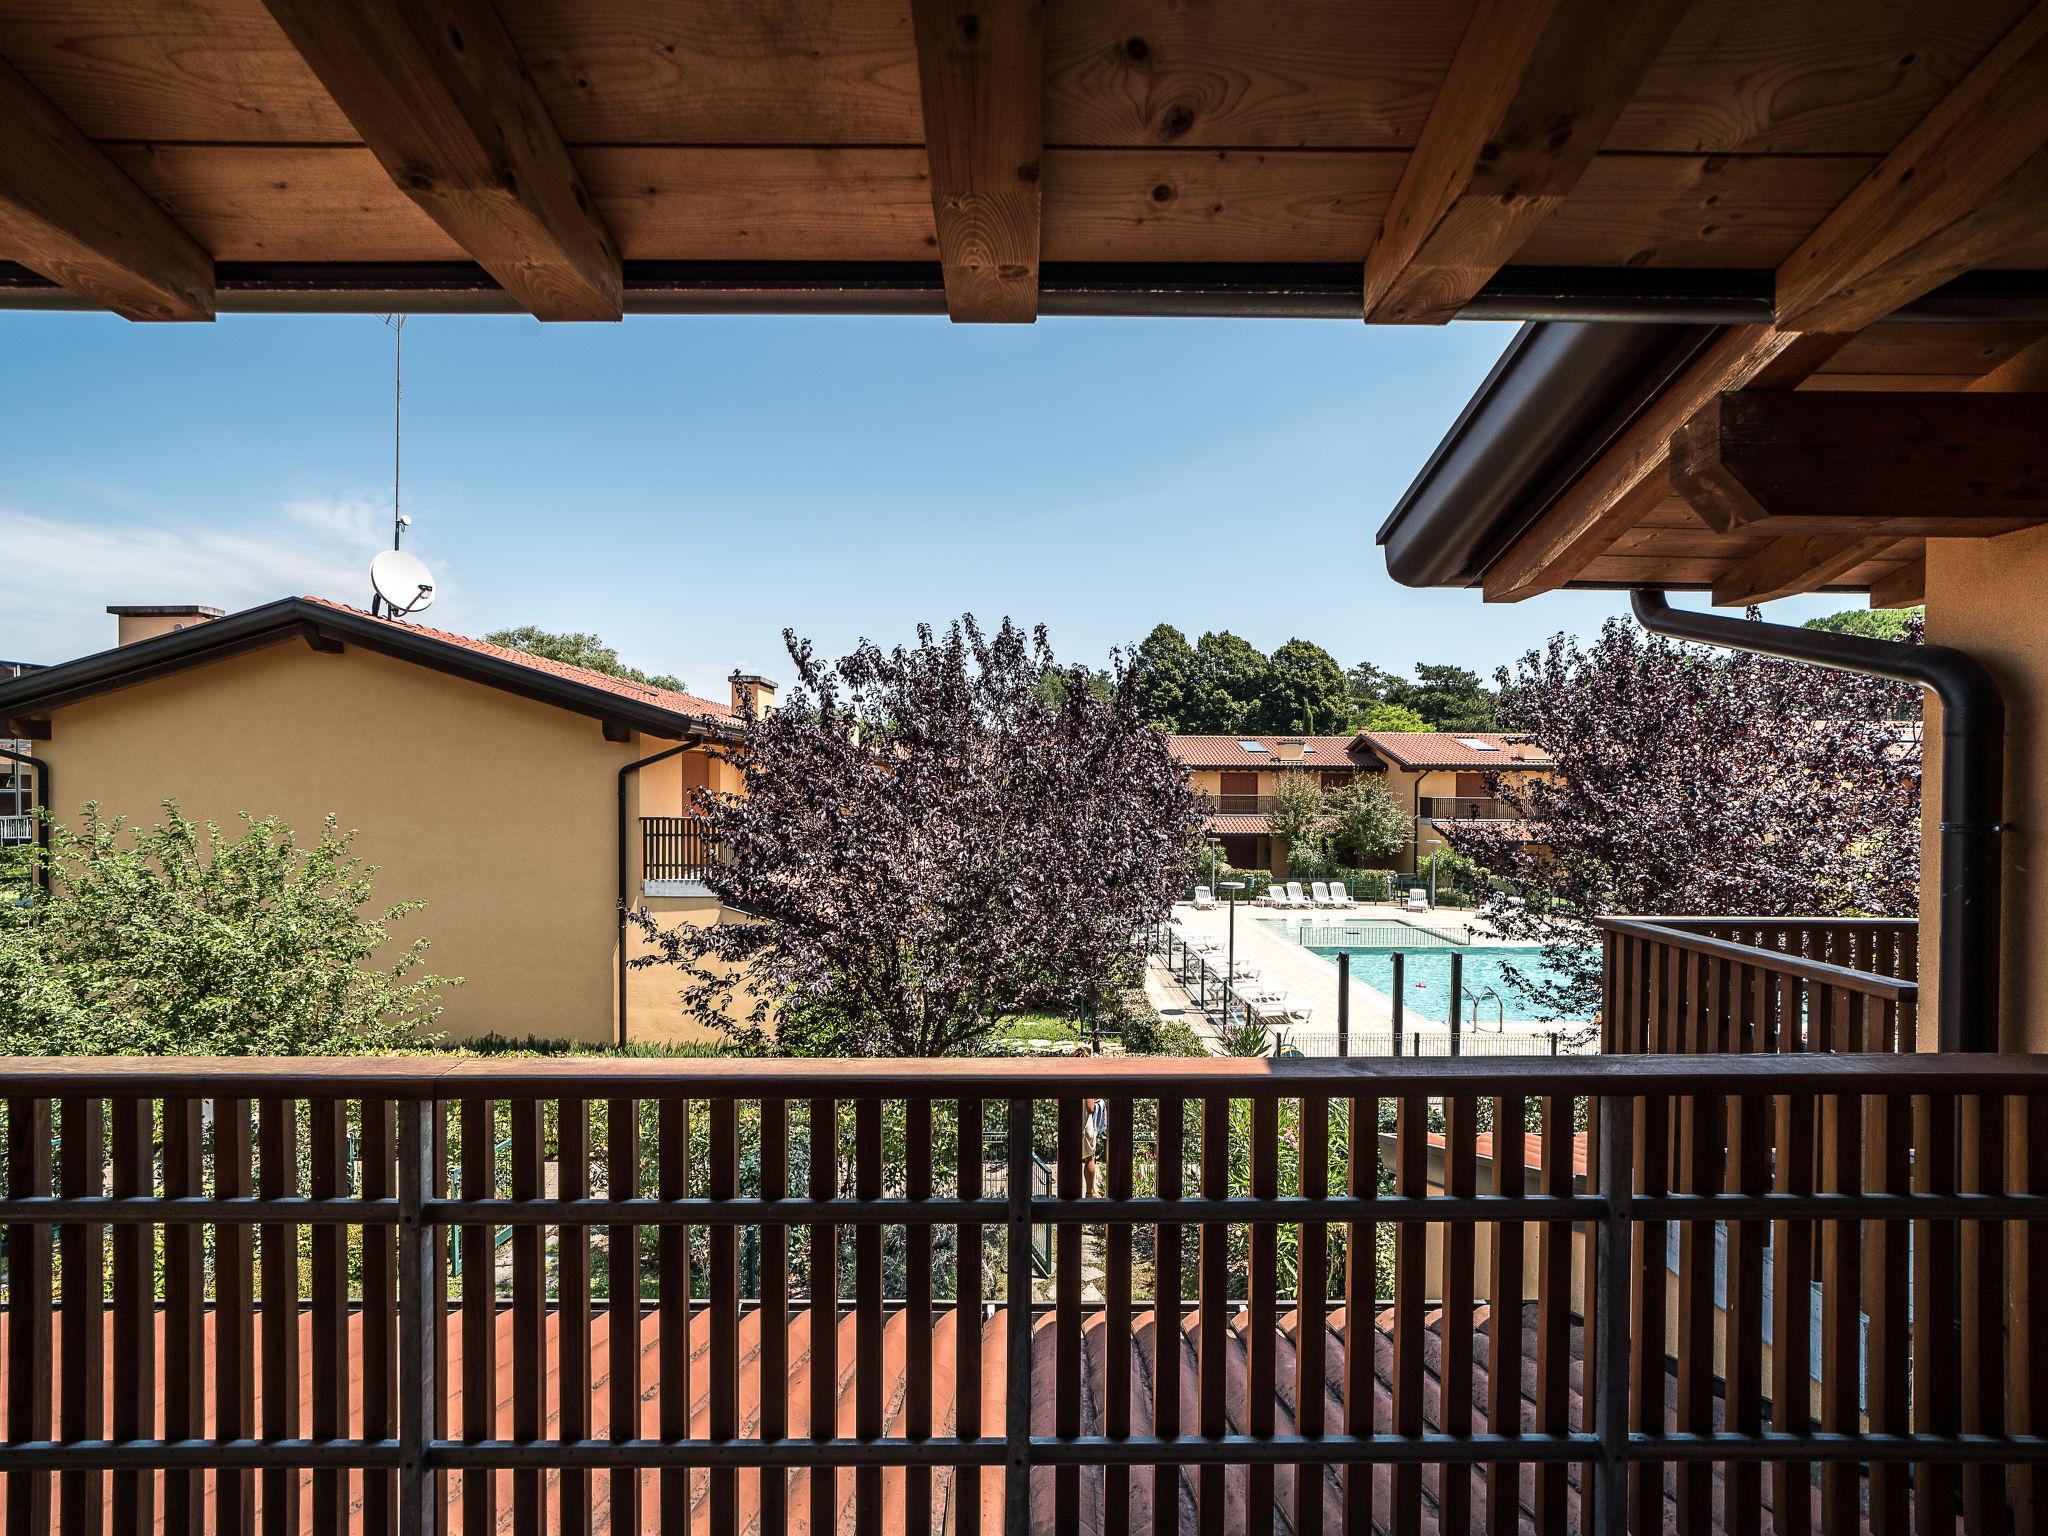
point(1426, 978)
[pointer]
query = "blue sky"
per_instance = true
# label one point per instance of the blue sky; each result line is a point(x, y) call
point(688, 486)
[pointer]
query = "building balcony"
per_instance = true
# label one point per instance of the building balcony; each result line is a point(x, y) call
point(1462, 808)
point(1481, 1301)
point(17, 829)
point(676, 848)
point(1238, 805)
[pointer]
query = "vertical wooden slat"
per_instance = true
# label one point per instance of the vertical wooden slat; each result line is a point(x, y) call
point(278, 1179)
point(529, 1315)
point(184, 1313)
point(479, 1313)
point(622, 1283)
point(774, 1383)
point(824, 1132)
point(967, 1321)
point(1648, 1312)
point(723, 1389)
point(572, 1309)
point(1504, 1332)
point(1166, 1329)
point(134, 1336)
point(1212, 1317)
point(1263, 1322)
point(1699, 1173)
point(1887, 1150)
point(672, 1260)
point(1311, 1318)
point(2026, 1411)
point(1018, 1375)
point(29, 1254)
point(1460, 1273)
point(379, 1374)
point(440, 1252)
point(327, 1151)
point(1554, 1312)
point(1984, 1341)
point(81, 1247)
point(1066, 1419)
point(1748, 1173)
point(1841, 1307)
point(1411, 1279)
point(1791, 1316)
point(1937, 1375)
point(867, 1311)
point(1116, 1308)
point(917, 1313)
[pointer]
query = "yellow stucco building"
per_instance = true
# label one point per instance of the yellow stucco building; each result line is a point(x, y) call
point(511, 793)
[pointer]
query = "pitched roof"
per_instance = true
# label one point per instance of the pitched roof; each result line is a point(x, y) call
point(1230, 752)
point(655, 711)
point(1234, 823)
point(1454, 749)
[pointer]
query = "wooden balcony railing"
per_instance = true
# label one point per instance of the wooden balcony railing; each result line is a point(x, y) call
point(1760, 984)
point(676, 847)
point(1462, 808)
point(1290, 1326)
point(1239, 805)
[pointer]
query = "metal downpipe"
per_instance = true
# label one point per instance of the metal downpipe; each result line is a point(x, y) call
point(626, 773)
point(1972, 787)
point(44, 803)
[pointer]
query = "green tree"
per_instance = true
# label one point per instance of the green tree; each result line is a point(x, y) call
point(1299, 810)
point(1449, 698)
point(1230, 681)
point(1165, 666)
point(1367, 827)
point(179, 940)
point(1306, 691)
point(1872, 623)
point(1392, 717)
point(1368, 686)
point(579, 650)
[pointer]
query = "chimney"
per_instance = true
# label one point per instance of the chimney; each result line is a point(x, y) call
point(145, 621)
point(1291, 748)
point(752, 694)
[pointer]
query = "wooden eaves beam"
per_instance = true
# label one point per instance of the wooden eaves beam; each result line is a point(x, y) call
point(1793, 564)
point(1890, 241)
point(67, 212)
point(980, 74)
point(1534, 89)
point(439, 95)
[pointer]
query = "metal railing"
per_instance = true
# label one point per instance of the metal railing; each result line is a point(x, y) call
point(17, 829)
point(677, 847)
point(1239, 805)
point(1830, 1157)
point(1463, 808)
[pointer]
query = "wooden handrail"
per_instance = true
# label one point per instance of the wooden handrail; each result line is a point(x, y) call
point(1870, 983)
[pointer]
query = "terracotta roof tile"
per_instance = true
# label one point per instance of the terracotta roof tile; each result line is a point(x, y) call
point(1454, 749)
point(1225, 752)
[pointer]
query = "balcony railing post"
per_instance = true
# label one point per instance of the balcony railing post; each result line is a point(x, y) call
point(1017, 1398)
point(1611, 1314)
point(419, 1322)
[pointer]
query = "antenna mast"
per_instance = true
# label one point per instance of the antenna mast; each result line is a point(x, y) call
point(399, 521)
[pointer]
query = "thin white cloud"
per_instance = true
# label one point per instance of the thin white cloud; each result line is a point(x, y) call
point(63, 572)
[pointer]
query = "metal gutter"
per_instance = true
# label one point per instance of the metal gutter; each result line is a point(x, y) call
point(43, 802)
point(1972, 787)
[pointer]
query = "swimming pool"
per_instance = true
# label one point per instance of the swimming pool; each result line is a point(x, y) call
point(1426, 979)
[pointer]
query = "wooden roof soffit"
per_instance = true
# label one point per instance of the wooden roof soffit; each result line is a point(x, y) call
point(980, 73)
point(437, 91)
point(1905, 587)
point(1865, 465)
point(1535, 87)
point(67, 212)
point(1793, 564)
point(1968, 179)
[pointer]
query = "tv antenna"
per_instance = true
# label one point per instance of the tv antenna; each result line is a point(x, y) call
point(400, 582)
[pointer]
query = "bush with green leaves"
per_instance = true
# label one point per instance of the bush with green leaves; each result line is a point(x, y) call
point(181, 940)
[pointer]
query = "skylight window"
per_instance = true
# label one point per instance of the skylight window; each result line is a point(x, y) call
point(1253, 746)
point(1477, 745)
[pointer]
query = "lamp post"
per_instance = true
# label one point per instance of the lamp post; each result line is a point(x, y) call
point(1230, 954)
point(1215, 860)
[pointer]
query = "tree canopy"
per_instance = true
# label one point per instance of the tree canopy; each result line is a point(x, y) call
point(1694, 780)
point(1222, 685)
point(1305, 692)
point(1872, 623)
point(579, 650)
point(932, 842)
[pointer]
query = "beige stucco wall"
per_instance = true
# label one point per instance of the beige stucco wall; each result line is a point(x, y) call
point(1984, 596)
point(499, 812)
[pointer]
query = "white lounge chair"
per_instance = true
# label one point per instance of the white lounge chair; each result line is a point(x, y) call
point(1294, 896)
point(1418, 899)
point(1204, 898)
point(1324, 894)
point(1339, 897)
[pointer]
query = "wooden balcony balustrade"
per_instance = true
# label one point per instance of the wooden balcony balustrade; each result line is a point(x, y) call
point(676, 847)
point(1760, 984)
point(336, 1221)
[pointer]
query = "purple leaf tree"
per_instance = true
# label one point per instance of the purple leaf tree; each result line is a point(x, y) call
point(1695, 781)
point(934, 839)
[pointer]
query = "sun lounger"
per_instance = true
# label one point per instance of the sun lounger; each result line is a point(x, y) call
point(1339, 897)
point(1294, 896)
point(1204, 898)
point(1418, 899)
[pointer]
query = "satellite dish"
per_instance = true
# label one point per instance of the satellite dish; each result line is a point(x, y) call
point(403, 581)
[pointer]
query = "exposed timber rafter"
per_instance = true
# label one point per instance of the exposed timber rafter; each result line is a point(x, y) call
point(1867, 465)
point(437, 91)
point(980, 73)
point(1905, 587)
point(67, 212)
point(1533, 90)
point(1794, 564)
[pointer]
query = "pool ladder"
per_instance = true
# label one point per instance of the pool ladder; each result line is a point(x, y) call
point(1500, 1018)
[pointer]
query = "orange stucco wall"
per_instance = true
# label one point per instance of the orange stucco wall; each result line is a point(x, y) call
point(497, 811)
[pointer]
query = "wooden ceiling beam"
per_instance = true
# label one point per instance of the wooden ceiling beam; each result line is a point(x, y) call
point(1794, 564)
point(67, 212)
point(439, 95)
point(1531, 567)
point(981, 78)
point(1532, 92)
point(1905, 587)
point(1967, 180)
point(1897, 465)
